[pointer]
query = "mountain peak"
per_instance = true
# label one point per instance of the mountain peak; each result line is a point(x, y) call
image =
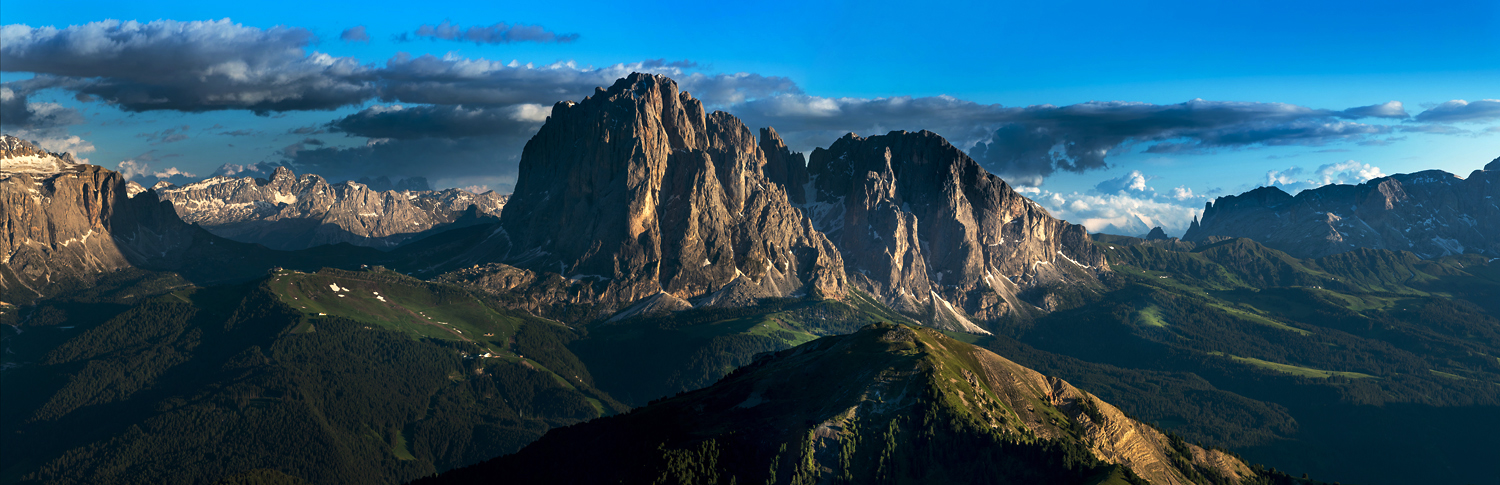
point(925, 229)
point(1493, 166)
point(668, 198)
point(21, 156)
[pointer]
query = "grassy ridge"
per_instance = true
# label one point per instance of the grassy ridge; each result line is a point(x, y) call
point(204, 384)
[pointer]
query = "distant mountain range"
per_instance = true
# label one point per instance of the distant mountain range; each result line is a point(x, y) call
point(289, 212)
point(1431, 213)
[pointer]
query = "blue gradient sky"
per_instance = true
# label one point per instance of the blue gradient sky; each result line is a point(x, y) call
point(1320, 55)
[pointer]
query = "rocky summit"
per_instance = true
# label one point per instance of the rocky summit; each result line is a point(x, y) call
point(289, 212)
point(65, 223)
point(1431, 213)
point(636, 191)
point(887, 404)
point(928, 231)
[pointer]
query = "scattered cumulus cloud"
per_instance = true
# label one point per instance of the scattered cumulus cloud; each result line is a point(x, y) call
point(139, 169)
point(260, 170)
point(500, 33)
point(1134, 181)
point(1295, 179)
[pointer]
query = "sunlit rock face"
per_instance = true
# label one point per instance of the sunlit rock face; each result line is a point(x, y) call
point(637, 191)
point(65, 223)
point(925, 229)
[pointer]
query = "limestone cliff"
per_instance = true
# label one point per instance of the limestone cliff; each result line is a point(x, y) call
point(924, 228)
point(65, 223)
point(637, 191)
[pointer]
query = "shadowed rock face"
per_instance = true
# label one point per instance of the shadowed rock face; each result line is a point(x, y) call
point(925, 228)
point(1430, 213)
point(66, 223)
point(289, 212)
point(637, 191)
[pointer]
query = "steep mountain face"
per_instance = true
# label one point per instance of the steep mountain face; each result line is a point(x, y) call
point(289, 212)
point(887, 404)
point(924, 228)
point(636, 191)
point(65, 223)
point(1430, 213)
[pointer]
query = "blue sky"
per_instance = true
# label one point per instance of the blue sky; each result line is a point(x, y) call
point(1278, 84)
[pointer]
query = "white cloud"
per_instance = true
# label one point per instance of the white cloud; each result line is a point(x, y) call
point(1133, 181)
point(1120, 213)
point(1346, 172)
point(1182, 193)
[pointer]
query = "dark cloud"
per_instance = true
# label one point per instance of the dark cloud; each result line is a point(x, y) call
point(1458, 110)
point(239, 133)
point(307, 130)
point(500, 33)
point(397, 122)
point(488, 160)
point(186, 66)
point(355, 34)
point(46, 119)
point(444, 143)
point(453, 80)
point(1027, 144)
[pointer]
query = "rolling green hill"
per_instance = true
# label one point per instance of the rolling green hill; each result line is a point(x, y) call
point(886, 404)
point(1324, 366)
point(285, 375)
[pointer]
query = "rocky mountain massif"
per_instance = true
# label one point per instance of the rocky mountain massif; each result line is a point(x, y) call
point(635, 193)
point(927, 230)
point(671, 207)
point(66, 223)
point(289, 212)
point(1431, 213)
point(887, 404)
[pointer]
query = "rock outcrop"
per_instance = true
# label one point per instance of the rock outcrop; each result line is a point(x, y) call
point(65, 223)
point(925, 229)
point(1431, 213)
point(289, 212)
point(637, 191)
